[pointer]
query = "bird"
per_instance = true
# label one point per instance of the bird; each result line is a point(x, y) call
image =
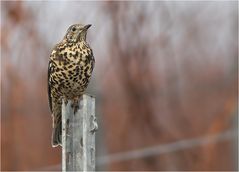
point(70, 67)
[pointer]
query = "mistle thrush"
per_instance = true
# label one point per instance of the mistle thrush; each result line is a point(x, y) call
point(70, 67)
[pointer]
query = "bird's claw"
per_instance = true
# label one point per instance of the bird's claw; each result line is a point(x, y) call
point(75, 104)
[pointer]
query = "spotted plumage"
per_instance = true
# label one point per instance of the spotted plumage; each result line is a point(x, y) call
point(70, 67)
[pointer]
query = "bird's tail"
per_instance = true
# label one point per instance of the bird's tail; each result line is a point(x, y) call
point(56, 134)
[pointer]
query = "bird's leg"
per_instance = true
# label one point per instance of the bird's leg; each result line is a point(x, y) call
point(88, 94)
point(75, 104)
point(64, 100)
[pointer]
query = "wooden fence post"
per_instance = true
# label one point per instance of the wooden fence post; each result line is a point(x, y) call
point(78, 135)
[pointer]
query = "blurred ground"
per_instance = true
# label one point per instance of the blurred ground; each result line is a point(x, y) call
point(165, 72)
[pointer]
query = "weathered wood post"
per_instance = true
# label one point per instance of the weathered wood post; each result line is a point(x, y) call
point(78, 135)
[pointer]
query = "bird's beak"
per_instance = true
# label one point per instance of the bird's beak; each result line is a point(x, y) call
point(86, 27)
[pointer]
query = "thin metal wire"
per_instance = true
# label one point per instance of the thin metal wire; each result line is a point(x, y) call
point(166, 148)
point(162, 149)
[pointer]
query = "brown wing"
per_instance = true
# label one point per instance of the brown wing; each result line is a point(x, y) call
point(50, 71)
point(49, 86)
point(51, 65)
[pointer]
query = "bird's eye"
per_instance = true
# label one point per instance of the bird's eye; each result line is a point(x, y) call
point(73, 29)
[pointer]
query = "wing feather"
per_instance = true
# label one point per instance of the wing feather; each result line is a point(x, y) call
point(50, 71)
point(49, 86)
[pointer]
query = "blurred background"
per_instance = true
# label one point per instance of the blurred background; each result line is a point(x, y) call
point(165, 83)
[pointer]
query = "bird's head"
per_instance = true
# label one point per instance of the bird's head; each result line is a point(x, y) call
point(77, 33)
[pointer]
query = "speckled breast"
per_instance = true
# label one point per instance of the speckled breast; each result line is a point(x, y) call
point(75, 69)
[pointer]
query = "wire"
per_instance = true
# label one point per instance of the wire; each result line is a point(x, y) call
point(160, 149)
point(167, 148)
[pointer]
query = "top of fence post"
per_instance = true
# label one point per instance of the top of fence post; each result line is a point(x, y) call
point(78, 135)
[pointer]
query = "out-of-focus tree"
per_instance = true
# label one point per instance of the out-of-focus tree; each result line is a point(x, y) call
point(165, 71)
point(26, 123)
point(191, 94)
